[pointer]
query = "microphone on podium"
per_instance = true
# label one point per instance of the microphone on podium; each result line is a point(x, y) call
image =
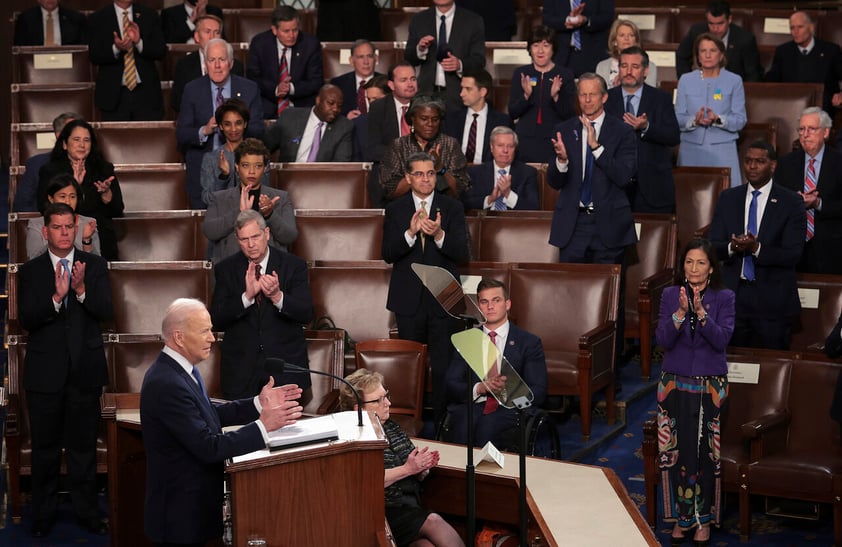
point(277, 366)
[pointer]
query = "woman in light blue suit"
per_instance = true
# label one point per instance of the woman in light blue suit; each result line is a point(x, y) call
point(711, 110)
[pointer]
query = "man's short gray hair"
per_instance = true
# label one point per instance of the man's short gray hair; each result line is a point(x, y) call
point(219, 41)
point(503, 130)
point(247, 216)
point(825, 121)
point(177, 315)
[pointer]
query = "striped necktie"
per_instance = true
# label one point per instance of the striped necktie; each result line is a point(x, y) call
point(491, 403)
point(283, 74)
point(129, 67)
point(809, 186)
point(577, 35)
point(499, 204)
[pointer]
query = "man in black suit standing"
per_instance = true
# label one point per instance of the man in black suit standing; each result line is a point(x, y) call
point(125, 40)
point(472, 124)
point(815, 172)
point(649, 111)
point(808, 59)
point(582, 28)
point(181, 20)
point(446, 41)
point(64, 296)
point(502, 183)
point(363, 59)
point(261, 301)
point(740, 45)
point(182, 431)
point(193, 66)
point(48, 24)
point(428, 228)
point(758, 231)
point(285, 63)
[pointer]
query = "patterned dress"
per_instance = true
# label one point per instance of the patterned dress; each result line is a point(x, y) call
point(403, 498)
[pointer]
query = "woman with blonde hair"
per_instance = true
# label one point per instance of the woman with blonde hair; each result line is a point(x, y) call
point(623, 34)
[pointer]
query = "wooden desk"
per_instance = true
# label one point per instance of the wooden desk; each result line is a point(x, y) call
point(569, 504)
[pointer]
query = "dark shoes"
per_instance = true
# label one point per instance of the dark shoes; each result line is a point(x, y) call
point(94, 525)
point(42, 528)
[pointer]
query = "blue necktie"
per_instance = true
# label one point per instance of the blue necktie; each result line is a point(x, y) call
point(748, 261)
point(629, 107)
point(586, 197)
point(499, 204)
point(441, 49)
point(65, 265)
point(577, 35)
point(198, 378)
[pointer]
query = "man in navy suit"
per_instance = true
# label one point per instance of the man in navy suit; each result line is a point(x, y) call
point(313, 134)
point(118, 34)
point(181, 20)
point(182, 431)
point(582, 32)
point(302, 58)
point(472, 124)
point(193, 66)
point(261, 300)
point(444, 58)
point(503, 183)
point(649, 111)
point(596, 157)
point(64, 296)
point(196, 129)
point(741, 52)
point(523, 350)
point(428, 228)
point(363, 59)
point(31, 26)
point(823, 197)
point(807, 59)
point(758, 231)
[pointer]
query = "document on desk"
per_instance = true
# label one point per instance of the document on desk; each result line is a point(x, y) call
point(312, 430)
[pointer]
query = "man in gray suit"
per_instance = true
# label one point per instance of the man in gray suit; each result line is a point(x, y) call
point(252, 159)
point(313, 134)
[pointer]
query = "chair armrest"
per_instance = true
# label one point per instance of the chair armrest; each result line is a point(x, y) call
point(597, 336)
point(756, 428)
point(702, 233)
point(649, 293)
point(596, 351)
point(12, 426)
point(330, 403)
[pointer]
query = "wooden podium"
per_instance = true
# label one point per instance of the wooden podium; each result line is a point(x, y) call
point(316, 495)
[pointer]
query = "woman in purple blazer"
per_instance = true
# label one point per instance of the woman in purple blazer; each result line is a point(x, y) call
point(695, 324)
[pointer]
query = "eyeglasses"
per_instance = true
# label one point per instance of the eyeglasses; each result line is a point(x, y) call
point(809, 130)
point(380, 399)
point(423, 174)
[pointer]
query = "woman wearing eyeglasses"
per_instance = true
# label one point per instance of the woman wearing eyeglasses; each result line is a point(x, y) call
point(406, 467)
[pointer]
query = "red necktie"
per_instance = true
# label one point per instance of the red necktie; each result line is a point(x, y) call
point(283, 73)
point(362, 106)
point(404, 124)
point(471, 149)
point(491, 403)
point(259, 297)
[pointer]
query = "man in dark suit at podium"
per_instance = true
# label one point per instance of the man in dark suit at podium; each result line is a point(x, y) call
point(32, 27)
point(429, 228)
point(523, 350)
point(64, 296)
point(182, 431)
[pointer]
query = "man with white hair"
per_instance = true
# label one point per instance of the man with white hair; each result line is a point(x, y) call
point(182, 431)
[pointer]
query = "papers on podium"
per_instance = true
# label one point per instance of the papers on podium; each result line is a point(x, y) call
point(312, 430)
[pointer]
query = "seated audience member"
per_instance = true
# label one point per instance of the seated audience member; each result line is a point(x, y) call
point(649, 111)
point(77, 153)
point(445, 41)
point(63, 188)
point(310, 134)
point(218, 166)
point(498, 17)
point(196, 128)
point(181, 20)
point(623, 34)
point(285, 63)
point(425, 116)
point(472, 124)
point(758, 232)
point(815, 173)
point(193, 66)
point(125, 43)
point(808, 59)
point(251, 162)
point(541, 96)
point(710, 106)
point(502, 183)
point(262, 301)
point(406, 467)
point(363, 59)
point(48, 24)
point(523, 351)
point(182, 431)
point(742, 54)
point(26, 194)
point(376, 89)
point(387, 120)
